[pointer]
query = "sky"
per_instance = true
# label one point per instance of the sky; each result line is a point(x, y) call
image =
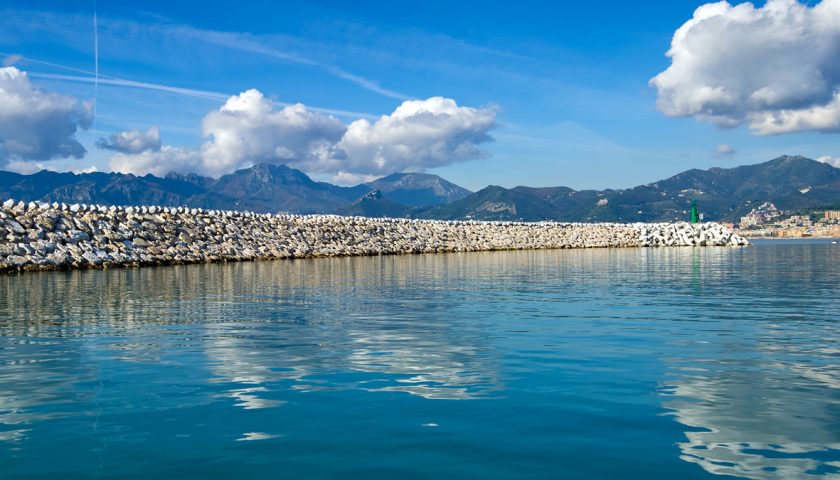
point(501, 93)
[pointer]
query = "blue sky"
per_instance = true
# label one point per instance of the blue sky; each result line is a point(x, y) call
point(568, 83)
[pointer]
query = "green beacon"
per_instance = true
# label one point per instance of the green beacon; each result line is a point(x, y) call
point(695, 215)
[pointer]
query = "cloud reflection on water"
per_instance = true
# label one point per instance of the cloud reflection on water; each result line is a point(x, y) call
point(262, 328)
point(314, 332)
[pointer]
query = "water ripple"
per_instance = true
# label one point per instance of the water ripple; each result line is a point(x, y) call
point(689, 363)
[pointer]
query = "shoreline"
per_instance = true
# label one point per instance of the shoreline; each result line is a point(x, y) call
point(793, 239)
point(807, 237)
point(43, 236)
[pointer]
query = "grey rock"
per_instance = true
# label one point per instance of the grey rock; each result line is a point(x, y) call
point(15, 227)
point(17, 261)
point(75, 236)
point(92, 258)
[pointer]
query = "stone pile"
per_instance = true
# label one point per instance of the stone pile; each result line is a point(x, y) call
point(44, 236)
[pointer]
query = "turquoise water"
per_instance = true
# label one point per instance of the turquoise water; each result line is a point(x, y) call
point(594, 364)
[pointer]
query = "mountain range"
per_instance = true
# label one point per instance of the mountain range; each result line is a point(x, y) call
point(260, 188)
point(722, 194)
point(725, 194)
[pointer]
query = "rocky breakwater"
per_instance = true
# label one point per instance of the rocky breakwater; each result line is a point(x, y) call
point(43, 236)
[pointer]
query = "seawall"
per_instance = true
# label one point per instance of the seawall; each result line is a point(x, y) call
point(43, 236)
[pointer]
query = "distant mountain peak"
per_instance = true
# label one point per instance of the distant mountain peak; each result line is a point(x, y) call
point(375, 204)
point(418, 189)
point(273, 172)
point(373, 195)
point(792, 160)
point(792, 157)
point(410, 177)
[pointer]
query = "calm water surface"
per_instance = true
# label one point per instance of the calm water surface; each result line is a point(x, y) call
point(599, 364)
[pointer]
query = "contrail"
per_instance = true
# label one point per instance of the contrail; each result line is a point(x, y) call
point(205, 94)
point(95, 62)
point(24, 60)
point(120, 82)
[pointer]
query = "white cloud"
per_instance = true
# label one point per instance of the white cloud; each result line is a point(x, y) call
point(28, 168)
point(833, 161)
point(420, 134)
point(344, 178)
point(250, 128)
point(773, 68)
point(132, 141)
point(724, 150)
point(157, 162)
point(90, 169)
point(36, 125)
point(24, 168)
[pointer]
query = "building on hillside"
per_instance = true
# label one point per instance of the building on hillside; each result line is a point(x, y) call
point(796, 221)
point(750, 220)
point(832, 215)
point(760, 215)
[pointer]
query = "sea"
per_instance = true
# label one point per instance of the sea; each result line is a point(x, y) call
point(669, 363)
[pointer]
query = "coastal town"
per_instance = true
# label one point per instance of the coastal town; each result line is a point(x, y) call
point(767, 221)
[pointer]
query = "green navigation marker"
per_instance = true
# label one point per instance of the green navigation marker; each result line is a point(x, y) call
point(695, 216)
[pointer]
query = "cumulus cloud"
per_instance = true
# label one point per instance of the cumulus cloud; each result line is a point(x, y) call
point(24, 168)
point(344, 178)
point(773, 68)
point(90, 169)
point(419, 134)
point(28, 168)
point(249, 129)
point(833, 161)
point(157, 162)
point(724, 150)
point(132, 141)
point(36, 125)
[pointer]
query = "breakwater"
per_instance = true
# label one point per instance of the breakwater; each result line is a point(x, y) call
point(52, 236)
